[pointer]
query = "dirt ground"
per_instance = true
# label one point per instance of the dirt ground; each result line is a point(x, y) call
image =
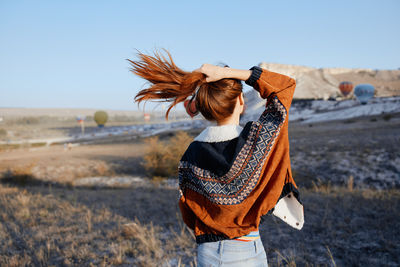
point(366, 149)
point(348, 221)
point(363, 150)
point(63, 165)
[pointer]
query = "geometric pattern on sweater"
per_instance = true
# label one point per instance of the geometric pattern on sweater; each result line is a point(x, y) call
point(233, 187)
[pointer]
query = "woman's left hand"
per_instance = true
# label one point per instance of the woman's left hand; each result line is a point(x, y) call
point(213, 73)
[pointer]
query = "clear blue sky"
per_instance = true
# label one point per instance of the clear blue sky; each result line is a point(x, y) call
point(72, 53)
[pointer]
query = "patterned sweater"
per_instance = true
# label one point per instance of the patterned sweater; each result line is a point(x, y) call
point(230, 176)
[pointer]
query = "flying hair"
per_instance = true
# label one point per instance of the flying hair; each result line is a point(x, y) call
point(214, 100)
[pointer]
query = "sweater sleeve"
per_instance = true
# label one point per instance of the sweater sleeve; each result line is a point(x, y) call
point(188, 216)
point(269, 83)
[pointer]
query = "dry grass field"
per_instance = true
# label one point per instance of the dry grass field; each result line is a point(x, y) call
point(58, 226)
point(47, 221)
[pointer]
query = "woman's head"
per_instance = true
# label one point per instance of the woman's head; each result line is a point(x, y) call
point(215, 100)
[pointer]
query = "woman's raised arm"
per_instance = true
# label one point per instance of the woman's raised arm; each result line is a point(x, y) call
point(264, 81)
point(268, 83)
point(215, 73)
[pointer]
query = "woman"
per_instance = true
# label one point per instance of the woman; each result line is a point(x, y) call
point(229, 175)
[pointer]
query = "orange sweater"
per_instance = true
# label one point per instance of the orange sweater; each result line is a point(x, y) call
point(227, 205)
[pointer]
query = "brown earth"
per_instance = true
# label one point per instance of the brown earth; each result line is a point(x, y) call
point(63, 165)
point(347, 224)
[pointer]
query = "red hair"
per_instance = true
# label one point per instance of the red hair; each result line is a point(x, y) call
point(215, 100)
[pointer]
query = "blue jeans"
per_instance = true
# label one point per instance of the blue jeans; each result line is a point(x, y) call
point(231, 253)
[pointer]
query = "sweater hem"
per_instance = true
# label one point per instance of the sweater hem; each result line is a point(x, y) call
point(210, 238)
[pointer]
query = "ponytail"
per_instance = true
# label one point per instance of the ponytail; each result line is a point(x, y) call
point(215, 100)
point(168, 82)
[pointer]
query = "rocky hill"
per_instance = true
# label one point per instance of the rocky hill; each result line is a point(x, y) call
point(323, 83)
point(315, 86)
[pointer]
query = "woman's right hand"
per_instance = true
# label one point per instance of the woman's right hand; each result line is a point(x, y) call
point(213, 73)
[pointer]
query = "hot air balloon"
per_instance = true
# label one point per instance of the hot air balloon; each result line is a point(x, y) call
point(100, 117)
point(364, 92)
point(345, 88)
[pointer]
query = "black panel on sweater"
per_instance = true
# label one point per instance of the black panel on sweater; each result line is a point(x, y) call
point(216, 157)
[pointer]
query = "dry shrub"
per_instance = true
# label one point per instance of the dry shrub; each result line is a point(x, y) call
point(89, 221)
point(162, 158)
point(182, 243)
point(23, 199)
point(19, 260)
point(289, 260)
point(322, 187)
point(350, 183)
point(7, 190)
point(154, 159)
point(21, 175)
point(118, 254)
point(23, 170)
point(102, 169)
point(154, 246)
point(148, 243)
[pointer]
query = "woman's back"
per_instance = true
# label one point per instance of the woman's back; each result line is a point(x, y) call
point(225, 203)
point(230, 176)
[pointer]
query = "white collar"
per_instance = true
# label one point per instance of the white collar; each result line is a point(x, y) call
point(217, 133)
